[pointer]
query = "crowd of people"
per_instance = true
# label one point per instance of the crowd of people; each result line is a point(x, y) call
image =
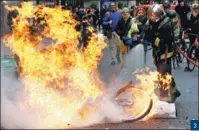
point(158, 26)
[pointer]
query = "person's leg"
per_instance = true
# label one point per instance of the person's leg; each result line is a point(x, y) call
point(118, 54)
point(112, 48)
point(191, 41)
point(174, 91)
point(123, 49)
point(117, 44)
point(164, 68)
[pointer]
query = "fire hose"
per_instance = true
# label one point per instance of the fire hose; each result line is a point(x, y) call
point(189, 59)
point(143, 114)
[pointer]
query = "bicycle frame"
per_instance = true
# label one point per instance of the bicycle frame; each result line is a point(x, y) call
point(185, 55)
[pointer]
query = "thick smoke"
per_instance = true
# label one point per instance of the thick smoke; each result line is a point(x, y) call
point(16, 115)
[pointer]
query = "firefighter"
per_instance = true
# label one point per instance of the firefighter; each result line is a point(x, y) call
point(161, 38)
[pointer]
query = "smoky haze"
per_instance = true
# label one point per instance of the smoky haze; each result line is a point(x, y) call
point(13, 116)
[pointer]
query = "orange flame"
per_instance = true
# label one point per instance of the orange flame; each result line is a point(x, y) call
point(149, 82)
point(59, 78)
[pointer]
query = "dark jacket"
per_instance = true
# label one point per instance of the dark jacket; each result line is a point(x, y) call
point(182, 12)
point(122, 27)
point(164, 33)
point(142, 21)
point(193, 23)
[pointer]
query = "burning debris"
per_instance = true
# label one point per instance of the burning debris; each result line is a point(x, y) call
point(61, 82)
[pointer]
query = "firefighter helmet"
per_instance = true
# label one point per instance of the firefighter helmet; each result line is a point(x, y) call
point(155, 13)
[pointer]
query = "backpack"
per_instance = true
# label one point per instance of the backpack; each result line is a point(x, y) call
point(172, 15)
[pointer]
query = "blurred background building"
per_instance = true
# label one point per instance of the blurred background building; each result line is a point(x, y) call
point(96, 3)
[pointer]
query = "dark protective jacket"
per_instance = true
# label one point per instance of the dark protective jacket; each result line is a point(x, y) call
point(163, 31)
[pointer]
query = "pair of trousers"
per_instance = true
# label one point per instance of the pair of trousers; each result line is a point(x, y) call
point(113, 45)
point(164, 67)
point(124, 49)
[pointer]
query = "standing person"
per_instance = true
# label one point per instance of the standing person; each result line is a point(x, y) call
point(132, 11)
point(112, 16)
point(94, 19)
point(193, 21)
point(102, 13)
point(87, 20)
point(122, 29)
point(95, 14)
point(193, 25)
point(161, 39)
point(110, 21)
point(141, 20)
point(127, 29)
point(182, 9)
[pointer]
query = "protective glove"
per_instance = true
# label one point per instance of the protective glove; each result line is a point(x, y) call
point(157, 42)
point(188, 30)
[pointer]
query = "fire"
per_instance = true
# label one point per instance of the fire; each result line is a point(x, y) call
point(59, 78)
point(61, 81)
point(149, 83)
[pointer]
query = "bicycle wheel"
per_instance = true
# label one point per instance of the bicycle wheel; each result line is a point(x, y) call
point(135, 106)
point(192, 54)
point(174, 62)
point(177, 60)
